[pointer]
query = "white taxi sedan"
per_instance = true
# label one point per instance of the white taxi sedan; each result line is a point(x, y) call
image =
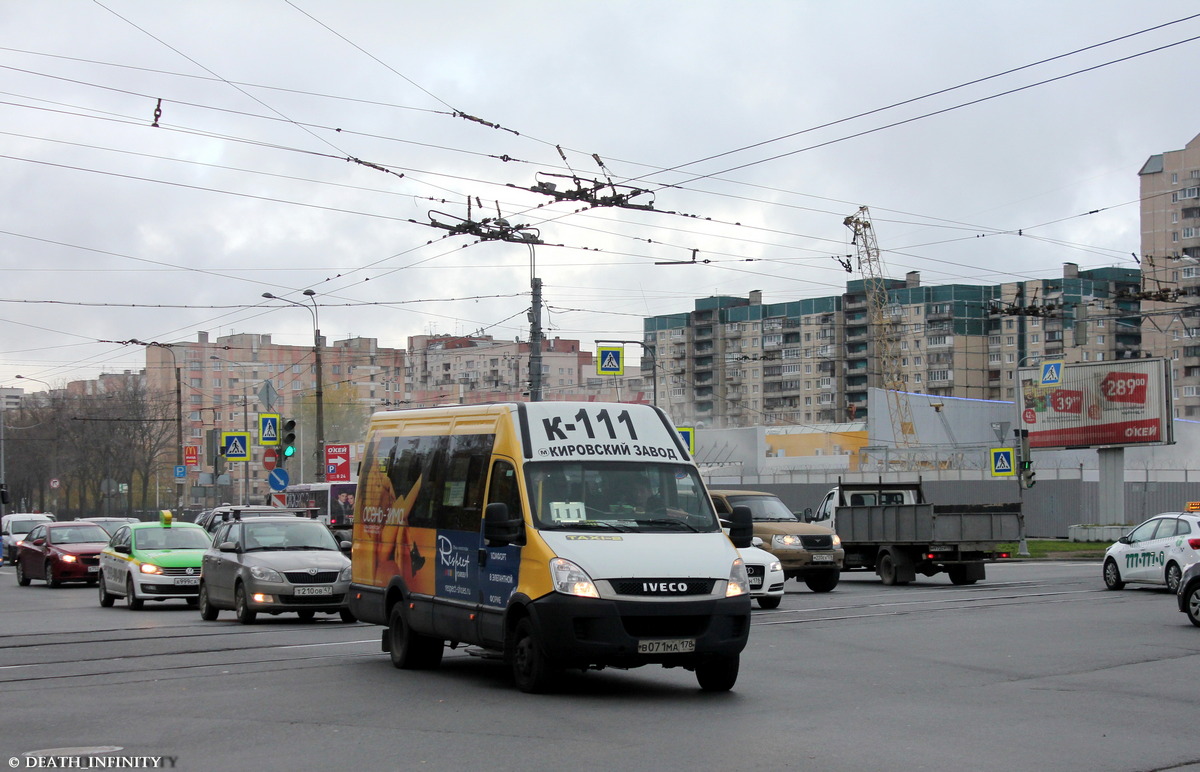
point(1156, 552)
point(766, 575)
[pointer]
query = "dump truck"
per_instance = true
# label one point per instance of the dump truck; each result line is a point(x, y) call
point(891, 529)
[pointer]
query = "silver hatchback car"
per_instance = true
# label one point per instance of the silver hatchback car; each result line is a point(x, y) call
point(274, 565)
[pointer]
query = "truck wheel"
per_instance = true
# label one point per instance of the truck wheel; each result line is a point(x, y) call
point(823, 581)
point(1192, 604)
point(958, 575)
point(769, 601)
point(1112, 575)
point(409, 649)
point(718, 674)
point(886, 569)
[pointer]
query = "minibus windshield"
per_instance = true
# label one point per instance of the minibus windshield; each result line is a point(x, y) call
point(618, 496)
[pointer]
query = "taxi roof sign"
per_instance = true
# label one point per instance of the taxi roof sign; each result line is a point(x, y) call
point(1193, 506)
point(165, 517)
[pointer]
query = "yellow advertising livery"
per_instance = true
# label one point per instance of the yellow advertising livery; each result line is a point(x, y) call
point(553, 534)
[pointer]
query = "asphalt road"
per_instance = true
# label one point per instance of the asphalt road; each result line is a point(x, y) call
point(1037, 668)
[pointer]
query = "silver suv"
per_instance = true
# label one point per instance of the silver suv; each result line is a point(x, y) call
point(273, 565)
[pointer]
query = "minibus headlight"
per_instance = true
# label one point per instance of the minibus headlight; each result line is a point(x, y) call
point(739, 581)
point(837, 541)
point(570, 579)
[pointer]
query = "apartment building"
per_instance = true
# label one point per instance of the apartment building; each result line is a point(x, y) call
point(227, 382)
point(479, 368)
point(735, 362)
point(1170, 211)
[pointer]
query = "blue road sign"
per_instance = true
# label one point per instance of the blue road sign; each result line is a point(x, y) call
point(268, 429)
point(278, 479)
point(610, 360)
point(1003, 462)
point(180, 472)
point(1051, 373)
point(688, 434)
point(235, 446)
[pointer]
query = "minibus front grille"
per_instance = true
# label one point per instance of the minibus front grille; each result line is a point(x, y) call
point(663, 588)
point(666, 626)
point(817, 542)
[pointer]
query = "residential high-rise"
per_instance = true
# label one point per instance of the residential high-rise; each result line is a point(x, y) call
point(1170, 202)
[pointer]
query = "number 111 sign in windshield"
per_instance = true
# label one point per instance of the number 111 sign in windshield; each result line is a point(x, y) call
point(1096, 404)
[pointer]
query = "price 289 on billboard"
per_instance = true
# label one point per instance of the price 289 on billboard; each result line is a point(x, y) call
point(1127, 388)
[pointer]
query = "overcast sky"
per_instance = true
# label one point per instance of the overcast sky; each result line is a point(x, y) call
point(306, 144)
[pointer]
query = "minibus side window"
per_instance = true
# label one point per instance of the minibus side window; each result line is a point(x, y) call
point(460, 505)
point(433, 462)
point(503, 488)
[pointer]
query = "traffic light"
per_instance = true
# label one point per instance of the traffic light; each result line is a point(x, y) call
point(1027, 475)
point(287, 439)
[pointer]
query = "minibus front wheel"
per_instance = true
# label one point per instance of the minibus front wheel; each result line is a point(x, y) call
point(409, 649)
point(531, 669)
point(718, 674)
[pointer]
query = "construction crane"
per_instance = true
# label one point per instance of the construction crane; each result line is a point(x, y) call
point(884, 330)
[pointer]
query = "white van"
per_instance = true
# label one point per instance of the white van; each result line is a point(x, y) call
point(552, 534)
point(14, 527)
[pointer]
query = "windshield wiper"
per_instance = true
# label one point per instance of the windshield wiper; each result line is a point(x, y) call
point(669, 521)
point(595, 524)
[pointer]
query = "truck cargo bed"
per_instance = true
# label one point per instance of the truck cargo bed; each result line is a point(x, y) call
point(928, 523)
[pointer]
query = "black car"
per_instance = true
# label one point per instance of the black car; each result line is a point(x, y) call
point(213, 518)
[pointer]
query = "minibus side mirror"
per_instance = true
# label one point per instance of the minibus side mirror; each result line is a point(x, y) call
point(741, 527)
point(498, 528)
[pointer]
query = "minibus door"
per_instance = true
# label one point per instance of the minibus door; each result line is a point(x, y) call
point(498, 563)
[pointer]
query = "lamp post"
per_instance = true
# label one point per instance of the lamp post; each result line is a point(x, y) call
point(245, 429)
point(54, 453)
point(168, 347)
point(320, 382)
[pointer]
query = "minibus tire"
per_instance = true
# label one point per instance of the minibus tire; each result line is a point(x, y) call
point(718, 674)
point(408, 649)
point(531, 670)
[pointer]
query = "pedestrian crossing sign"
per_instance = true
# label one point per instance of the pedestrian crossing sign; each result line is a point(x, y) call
point(235, 446)
point(610, 360)
point(1003, 464)
point(1051, 374)
point(268, 428)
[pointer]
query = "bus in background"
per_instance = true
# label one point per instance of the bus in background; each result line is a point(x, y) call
point(333, 502)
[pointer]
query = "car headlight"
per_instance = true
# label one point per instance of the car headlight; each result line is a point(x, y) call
point(67, 558)
point(837, 541)
point(739, 581)
point(150, 568)
point(787, 540)
point(570, 579)
point(776, 566)
point(264, 574)
point(345, 575)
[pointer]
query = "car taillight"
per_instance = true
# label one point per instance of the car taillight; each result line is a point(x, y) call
point(1194, 544)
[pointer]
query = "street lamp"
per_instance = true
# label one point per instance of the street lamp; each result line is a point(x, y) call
point(179, 482)
point(245, 429)
point(320, 382)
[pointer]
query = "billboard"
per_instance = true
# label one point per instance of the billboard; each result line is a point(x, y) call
point(1096, 404)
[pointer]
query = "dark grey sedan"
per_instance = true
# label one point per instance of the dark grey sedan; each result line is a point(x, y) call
point(273, 565)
